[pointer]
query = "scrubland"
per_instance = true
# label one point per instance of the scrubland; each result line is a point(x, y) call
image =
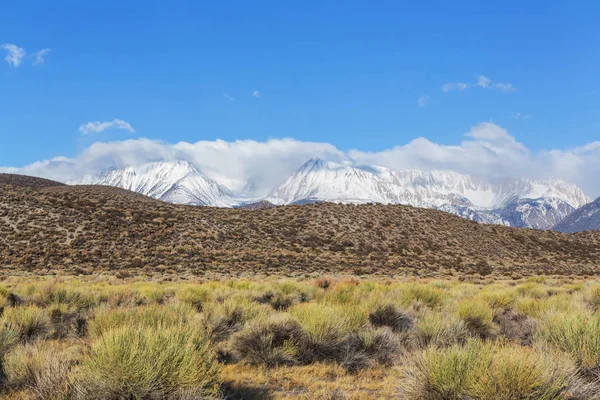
point(329, 338)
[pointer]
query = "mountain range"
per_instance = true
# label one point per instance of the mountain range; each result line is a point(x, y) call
point(521, 203)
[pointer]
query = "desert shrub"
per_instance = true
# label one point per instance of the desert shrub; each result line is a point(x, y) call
point(440, 330)
point(41, 368)
point(224, 319)
point(145, 316)
point(429, 295)
point(67, 322)
point(56, 294)
point(196, 296)
point(500, 298)
point(145, 363)
point(390, 316)
point(532, 289)
point(8, 338)
point(371, 347)
point(575, 333)
point(477, 315)
point(515, 372)
point(515, 326)
point(443, 373)
point(488, 371)
point(30, 322)
point(328, 329)
point(592, 297)
point(271, 341)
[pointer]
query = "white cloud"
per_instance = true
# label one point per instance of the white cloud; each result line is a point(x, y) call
point(456, 85)
point(228, 96)
point(520, 115)
point(39, 56)
point(504, 87)
point(14, 54)
point(98, 127)
point(256, 94)
point(423, 100)
point(482, 82)
point(488, 151)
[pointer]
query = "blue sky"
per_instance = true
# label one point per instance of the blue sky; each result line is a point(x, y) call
point(345, 73)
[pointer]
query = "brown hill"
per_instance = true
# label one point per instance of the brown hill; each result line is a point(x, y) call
point(46, 227)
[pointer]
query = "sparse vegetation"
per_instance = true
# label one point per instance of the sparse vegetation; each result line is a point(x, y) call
point(93, 338)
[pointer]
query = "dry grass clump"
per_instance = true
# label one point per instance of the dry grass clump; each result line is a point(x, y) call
point(488, 371)
point(271, 342)
point(143, 363)
point(577, 334)
point(478, 317)
point(30, 322)
point(440, 330)
point(41, 368)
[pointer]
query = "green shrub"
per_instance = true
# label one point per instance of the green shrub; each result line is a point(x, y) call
point(477, 315)
point(29, 322)
point(150, 316)
point(328, 329)
point(440, 330)
point(489, 371)
point(575, 333)
point(147, 363)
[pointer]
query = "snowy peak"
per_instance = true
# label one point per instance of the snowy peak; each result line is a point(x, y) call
point(177, 182)
point(517, 202)
point(319, 180)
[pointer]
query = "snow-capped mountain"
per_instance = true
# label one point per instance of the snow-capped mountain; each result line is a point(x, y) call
point(517, 202)
point(177, 182)
point(585, 218)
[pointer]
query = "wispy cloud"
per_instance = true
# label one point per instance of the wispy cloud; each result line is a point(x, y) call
point(14, 54)
point(256, 94)
point(504, 87)
point(423, 100)
point(454, 86)
point(482, 81)
point(229, 97)
point(520, 115)
point(98, 127)
point(39, 56)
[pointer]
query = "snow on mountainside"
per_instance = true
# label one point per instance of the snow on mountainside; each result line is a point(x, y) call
point(517, 202)
point(586, 218)
point(176, 182)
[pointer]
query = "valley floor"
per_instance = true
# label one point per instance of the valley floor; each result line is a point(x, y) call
point(329, 338)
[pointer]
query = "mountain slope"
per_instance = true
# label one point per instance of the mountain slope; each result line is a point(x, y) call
point(585, 218)
point(174, 182)
point(105, 229)
point(518, 202)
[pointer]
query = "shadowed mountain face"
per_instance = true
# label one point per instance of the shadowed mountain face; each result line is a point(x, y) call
point(586, 218)
point(100, 228)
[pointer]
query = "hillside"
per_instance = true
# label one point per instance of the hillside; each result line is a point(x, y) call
point(97, 228)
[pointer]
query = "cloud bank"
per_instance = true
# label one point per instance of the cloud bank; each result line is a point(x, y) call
point(246, 166)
